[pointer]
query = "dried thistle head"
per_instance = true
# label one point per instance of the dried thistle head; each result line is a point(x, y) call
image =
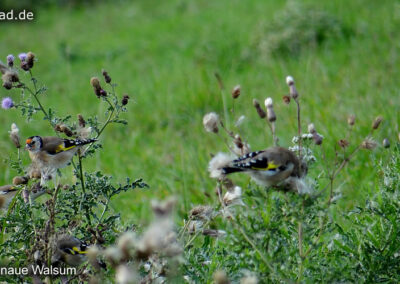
point(386, 143)
point(20, 180)
point(217, 163)
point(351, 120)
point(249, 280)
point(233, 197)
point(9, 77)
point(10, 60)
point(377, 122)
point(30, 58)
point(14, 135)
point(292, 88)
point(94, 81)
point(260, 111)
point(214, 233)
point(286, 99)
point(66, 130)
point(271, 116)
point(201, 212)
point(311, 128)
point(164, 208)
point(368, 144)
point(318, 139)
point(107, 77)
point(125, 100)
point(81, 121)
point(210, 122)
point(220, 277)
point(236, 92)
point(239, 147)
point(343, 143)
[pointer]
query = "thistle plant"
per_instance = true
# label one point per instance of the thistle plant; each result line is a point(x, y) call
point(34, 215)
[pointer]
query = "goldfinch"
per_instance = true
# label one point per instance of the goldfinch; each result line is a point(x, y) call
point(51, 153)
point(7, 193)
point(69, 250)
point(270, 167)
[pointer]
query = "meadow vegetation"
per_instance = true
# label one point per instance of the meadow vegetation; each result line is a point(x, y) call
point(179, 60)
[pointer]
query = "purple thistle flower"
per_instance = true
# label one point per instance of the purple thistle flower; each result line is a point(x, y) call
point(7, 103)
point(10, 60)
point(22, 56)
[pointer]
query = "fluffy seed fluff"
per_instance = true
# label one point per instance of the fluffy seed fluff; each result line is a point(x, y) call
point(311, 128)
point(268, 102)
point(289, 80)
point(125, 275)
point(236, 92)
point(210, 122)
point(233, 197)
point(14, 135)
point(240, 120)
point(218, 162)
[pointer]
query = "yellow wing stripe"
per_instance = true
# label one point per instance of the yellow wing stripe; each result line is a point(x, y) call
point(270, 166)
point(62, 148)
point(75, 249)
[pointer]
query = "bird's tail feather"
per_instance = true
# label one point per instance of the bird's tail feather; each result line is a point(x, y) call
point(85, 141)
point(229, 170)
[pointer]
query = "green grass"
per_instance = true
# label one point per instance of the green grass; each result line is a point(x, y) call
point(164, 55)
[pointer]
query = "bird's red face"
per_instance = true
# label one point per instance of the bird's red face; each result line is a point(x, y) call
point(33, 143)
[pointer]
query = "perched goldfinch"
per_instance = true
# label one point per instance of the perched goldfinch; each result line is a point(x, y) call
point(7, 193)
point(69, 250)
point(51, 153)
point(270, 167)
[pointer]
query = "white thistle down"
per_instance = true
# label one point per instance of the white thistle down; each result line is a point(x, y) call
point(210, 122)
point(233, 197)
point(217, 163)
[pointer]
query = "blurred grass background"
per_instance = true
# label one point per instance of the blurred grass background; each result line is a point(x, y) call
point(164, 55)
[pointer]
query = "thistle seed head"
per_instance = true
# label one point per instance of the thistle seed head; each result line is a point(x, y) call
point(30, 58)
point(210, 122)
point(351, 120)
point(10, 60)
point(317, 139)
point(271, 116)
point(236, 92)
point(14, 135)
point(81, 120)
point(286, 99)
point(311, 128)
point(343, 143)
point(289, 80)
point(260, 111)
point(107, 77)
point(20, 180)
point(125, 100)
point(377, 122)
point(386, 143)
point(368, 144)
